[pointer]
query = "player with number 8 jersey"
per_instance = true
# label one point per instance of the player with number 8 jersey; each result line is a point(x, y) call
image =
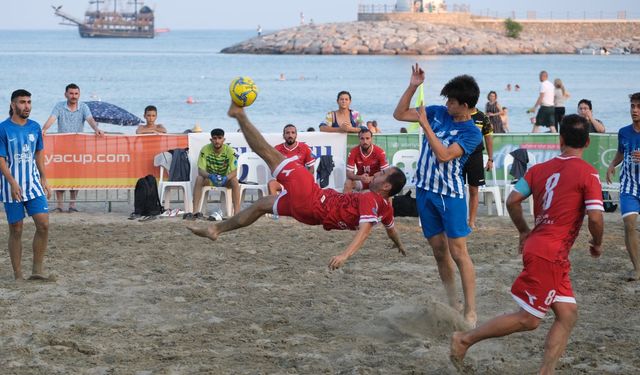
point(563, 189)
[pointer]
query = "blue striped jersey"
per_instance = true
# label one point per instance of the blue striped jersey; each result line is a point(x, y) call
point(446, 178)
point(18, 145)
point(629, 141)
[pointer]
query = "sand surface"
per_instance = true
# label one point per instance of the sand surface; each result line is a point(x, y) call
point(151, 298)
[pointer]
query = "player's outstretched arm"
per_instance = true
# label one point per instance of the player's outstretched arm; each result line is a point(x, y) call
point(596, 228)
point(355, 245)
point(393, 234)
point(402, 111)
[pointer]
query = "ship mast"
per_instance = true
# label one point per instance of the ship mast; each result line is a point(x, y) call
point(97, 2)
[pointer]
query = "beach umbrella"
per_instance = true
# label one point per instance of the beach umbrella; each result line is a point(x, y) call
point(112, 114)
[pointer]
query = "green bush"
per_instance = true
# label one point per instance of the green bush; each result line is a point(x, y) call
point(513, 28)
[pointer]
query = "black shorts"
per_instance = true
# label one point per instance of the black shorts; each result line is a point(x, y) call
point(474, 170)
point(546, 116)
point(559, 112)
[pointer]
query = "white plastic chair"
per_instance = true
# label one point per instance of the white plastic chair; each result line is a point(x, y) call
point(508, 187)
point(163, 186)
point(491, 190)
point(226, 194)
point(407, 161)
point(257, 176)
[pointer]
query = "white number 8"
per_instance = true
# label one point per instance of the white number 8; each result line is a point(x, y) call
point(552, 182)
point(550, 297)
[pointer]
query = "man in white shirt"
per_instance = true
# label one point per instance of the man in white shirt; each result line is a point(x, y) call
point(546, 113)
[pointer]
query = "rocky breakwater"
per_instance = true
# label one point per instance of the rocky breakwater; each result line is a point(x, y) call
point(402, 38)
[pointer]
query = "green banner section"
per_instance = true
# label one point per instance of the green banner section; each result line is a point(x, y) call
point(601, 150)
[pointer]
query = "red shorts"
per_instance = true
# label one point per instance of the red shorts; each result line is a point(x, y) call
point(542, 283)
point(301, 198)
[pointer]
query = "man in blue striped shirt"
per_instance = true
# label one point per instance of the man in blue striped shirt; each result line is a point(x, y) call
point(629, 155)
point(23, 185)
point(450, 136)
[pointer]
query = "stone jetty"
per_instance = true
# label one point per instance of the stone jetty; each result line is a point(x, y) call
point(421, 38)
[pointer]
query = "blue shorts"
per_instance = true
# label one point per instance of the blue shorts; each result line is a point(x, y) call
point(440, 213)
point(629, 204)
point(15, 210)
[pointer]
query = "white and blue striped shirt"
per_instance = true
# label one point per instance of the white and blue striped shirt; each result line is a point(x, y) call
point(446, 178)
point(629, 141)
point(18, 145)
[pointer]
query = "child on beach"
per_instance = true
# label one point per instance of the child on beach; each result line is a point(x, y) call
point(151, 114)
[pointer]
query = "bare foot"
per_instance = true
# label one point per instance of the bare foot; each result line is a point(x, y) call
point(633, 276)
point(471, 319)
point(208, 232)
point(43, 278)
point(457, 350)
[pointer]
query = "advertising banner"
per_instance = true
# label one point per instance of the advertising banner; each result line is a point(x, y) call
point(85, 161)
point(601, 150)
point(334, 144)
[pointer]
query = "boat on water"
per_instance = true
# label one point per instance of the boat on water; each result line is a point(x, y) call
point(110, 22)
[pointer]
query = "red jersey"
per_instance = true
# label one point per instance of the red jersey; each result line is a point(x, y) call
point(562, 189)
point(299, 149)
point(372, 163)
point(347, 211)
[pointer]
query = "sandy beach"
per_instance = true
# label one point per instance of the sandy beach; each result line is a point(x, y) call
point(151, 298)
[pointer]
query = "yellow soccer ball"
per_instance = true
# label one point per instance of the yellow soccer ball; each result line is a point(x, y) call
point(243, 91)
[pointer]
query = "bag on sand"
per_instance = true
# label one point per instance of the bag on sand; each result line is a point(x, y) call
point(405, 205)
point(146, 201)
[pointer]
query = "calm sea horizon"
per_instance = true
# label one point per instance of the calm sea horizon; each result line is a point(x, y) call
point(165, 71)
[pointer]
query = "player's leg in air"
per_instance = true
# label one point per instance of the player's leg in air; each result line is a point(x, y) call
point(262, 206)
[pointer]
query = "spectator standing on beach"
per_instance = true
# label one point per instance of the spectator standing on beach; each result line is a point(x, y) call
point(450, 136)
point(217, 166)
point(585, 109)
point(563, 190)
point(259, 30)
point(363, 162)
point(474, 168)
point(23, 183)
point(150, 115)
point(292, 148)
point(546, 116)
point(70, 115)
point(345, 119)
point(560, 96)
point(494, 111)
point(629, 155)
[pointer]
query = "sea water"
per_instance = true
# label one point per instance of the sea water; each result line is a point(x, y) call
point(174, 66)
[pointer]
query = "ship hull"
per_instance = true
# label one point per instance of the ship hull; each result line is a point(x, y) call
point(90, 32)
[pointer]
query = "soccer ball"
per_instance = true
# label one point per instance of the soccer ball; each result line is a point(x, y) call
point(243, 91)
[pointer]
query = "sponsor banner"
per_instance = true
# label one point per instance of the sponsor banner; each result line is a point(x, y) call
point(390, 143)
point(334, 144)
point(602, 148)
point(84, 161)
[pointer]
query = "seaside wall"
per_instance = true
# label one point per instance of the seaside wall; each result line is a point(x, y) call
point(594, 29)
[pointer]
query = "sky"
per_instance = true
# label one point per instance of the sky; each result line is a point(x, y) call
point(278, 14)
